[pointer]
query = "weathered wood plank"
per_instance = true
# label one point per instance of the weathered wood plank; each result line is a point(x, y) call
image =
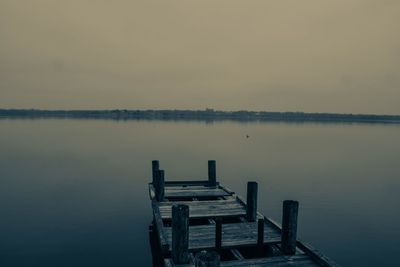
point(203, 203)
point(201, 182)
point(188, 192)
point(281, 261)
point(207, 211)
point(207, 259)
point(211, 214)
point(233, 235)
point(160, 227)
point(211, 208)
point(190, 187)
point(316, 255)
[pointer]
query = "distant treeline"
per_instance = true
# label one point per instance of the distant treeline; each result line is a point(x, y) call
point(203, 115)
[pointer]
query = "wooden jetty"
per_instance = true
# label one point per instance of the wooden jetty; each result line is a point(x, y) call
point(202, 223)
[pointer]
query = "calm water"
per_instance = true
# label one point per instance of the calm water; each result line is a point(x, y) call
point(74, 192)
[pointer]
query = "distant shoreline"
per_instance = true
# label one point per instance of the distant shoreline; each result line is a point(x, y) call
point(198, 115)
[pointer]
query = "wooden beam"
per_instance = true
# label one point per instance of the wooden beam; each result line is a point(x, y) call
point(180, 234)
point(260, 234)
point(207, 259)
point(212, 173)
point(159, 185)
point(289, 226)
point(251, 205)
point(186, 183)
point(316, 255)
point(218, 234)
point(155, 166)
point(160, 228)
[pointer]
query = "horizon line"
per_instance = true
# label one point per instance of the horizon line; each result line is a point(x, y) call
point(205, 109)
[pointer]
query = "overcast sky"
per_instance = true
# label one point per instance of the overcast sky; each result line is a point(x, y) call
point(308, 55)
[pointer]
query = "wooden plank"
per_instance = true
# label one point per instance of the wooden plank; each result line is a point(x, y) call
point(190, 191)
point(190, 187)
point(152, 192)
point(202, 203)
point(207, 259)
point(193, 193)
point(281, 261)
point(201, 182)
point(205, 209)
point(160, 227)
point(233, 235)
point(237, 254)
point(204, 214)
point(316, 255)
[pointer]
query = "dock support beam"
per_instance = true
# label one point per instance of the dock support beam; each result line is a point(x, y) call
point(289, 226)
point(212, 173)
point(207, 259)
point(218, 234)
point(260, 234)
point(251, 210)
point(180, 234)
point(159, 185)
point(155, 166)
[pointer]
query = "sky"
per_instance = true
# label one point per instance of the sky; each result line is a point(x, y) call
point(280, 55)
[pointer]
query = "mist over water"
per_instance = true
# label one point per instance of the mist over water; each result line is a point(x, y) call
point(74, 192)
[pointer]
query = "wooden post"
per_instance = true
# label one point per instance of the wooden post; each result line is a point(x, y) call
point(155, 166)
point(260, 234)
point(212, 173)
point(180, 234)
point(289, 226)
point(159, 185)
point(218, 234)
point(207, 259)
point(251, 211)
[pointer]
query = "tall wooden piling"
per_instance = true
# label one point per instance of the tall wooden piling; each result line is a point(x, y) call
point(180, 234)
point(260, 234)
point(159, 185)
point(289, 226)
point(155, 166)
point(218, 234)
point(251, 210)
point(212, 173)
point(207, 259)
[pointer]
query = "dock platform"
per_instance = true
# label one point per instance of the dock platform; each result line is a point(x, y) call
point(202, 223)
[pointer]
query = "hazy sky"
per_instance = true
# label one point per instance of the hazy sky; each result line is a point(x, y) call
point(308, 55)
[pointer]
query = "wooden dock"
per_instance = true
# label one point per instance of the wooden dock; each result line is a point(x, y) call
point(202, 223)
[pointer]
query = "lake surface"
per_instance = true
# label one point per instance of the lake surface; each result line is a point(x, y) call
point(74, 192)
